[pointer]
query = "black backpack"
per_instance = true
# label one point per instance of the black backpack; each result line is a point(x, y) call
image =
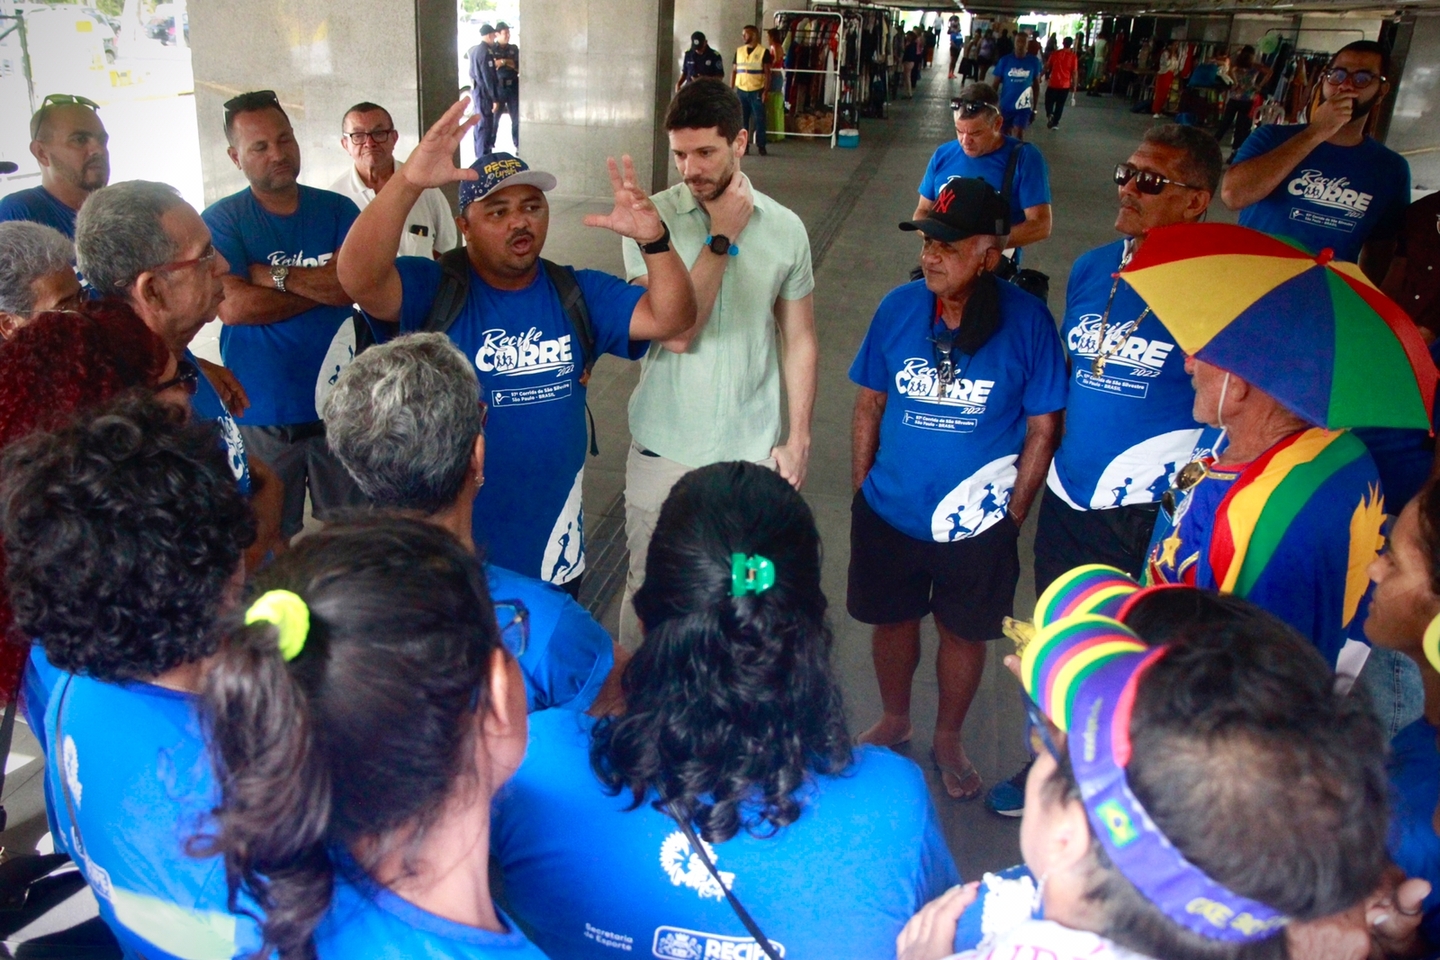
point(449, 300)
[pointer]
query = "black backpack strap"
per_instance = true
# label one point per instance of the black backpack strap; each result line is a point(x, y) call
point(454, 288)
point(1008, 184)
point(572, 301)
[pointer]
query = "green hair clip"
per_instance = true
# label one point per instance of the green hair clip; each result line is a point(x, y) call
point(750, 574)
point(291, 617)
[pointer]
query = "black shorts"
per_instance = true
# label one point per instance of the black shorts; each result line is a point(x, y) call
point(968, 584)
point(1068, 538)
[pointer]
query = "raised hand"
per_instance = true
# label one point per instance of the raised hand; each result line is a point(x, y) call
point(432, 164)
point(633, 215)
point(1334, 113)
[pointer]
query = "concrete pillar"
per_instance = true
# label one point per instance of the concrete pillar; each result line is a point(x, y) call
point(320, 57)
point(595, 78)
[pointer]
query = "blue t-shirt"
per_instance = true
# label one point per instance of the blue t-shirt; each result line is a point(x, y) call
point(1414, 772)
point(946, 464)
point(1017, 82)
point(528, 515)
point(1316, 574)
point(367, 920)
point(39, 205)
point(1006, 899)
point(207, 405)
point(590, 879)
point(287, 367)
point(568, 656)
point(1130, 428)
point(141, 782)
point(1337, 197)
point(1032, 177)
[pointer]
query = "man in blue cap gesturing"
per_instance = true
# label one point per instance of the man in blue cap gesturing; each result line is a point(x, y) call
point(532, 328)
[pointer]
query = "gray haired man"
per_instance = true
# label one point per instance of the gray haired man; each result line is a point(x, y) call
point(404, 422)
point(141, 243)
point(36, 273)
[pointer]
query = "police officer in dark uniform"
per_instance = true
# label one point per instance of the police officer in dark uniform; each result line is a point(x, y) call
point(482, 89)
point(507, 84)
point(700, 61)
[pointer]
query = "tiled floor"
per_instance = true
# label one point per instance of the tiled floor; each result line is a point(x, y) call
point(850, 201)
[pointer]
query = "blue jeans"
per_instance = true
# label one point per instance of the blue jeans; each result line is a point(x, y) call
point(754, 115)
point(1396, 691)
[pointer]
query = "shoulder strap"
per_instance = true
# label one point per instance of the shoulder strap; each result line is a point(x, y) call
point(751, 927)
point(454, 288)
point(1010, 164)
point(572, 301)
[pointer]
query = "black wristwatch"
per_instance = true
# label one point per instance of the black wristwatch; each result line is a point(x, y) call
point(720, 245)
point(658, 246)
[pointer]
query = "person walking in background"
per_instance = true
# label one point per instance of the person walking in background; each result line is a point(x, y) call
point(1017, 80)
point(1060, 69)
point(751, 82)
point(482, 90)
point(1171, 60)
point(952, 30)
point(775, 102)
point(1247, 77)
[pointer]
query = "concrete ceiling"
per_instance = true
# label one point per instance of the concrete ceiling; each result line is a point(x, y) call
point(1176, 7)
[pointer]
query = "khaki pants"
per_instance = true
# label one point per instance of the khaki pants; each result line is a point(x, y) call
point(648, 480)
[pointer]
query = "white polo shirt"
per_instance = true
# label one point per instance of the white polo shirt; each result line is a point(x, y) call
point(430, 226)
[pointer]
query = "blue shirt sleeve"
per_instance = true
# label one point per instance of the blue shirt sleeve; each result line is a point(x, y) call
point(579, 658)
point(226, 235)
point(1032, 178)
point(1045, 388)
point(1266, 137)
point(419, 282)
point(611, 303)
point(868, 368)
point(928, 185)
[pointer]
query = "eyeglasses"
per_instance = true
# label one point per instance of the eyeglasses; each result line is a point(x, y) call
point(253, 100)
point(1146, 181)
point(178, 265)
point(969, 109)
point(377, 137)
point(513, 618)
point(1359, 78)
point(187, 375)
point(68, 98)
point(1189, 475)
point(1039, 732)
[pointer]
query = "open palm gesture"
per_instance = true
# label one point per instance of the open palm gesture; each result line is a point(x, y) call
point(432, 164)
point(633, 216)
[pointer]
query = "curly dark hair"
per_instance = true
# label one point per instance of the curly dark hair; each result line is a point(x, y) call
point(122, 530)
point(308, 752)
point(1251, 764)
point(1427, 503)
point(731, 700)
point(58, 364)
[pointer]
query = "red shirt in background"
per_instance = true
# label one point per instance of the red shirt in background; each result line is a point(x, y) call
point(1062, 64)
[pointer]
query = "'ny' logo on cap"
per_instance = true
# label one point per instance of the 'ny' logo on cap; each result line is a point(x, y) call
point(943, 201)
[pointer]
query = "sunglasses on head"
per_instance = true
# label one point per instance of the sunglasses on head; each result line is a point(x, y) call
point(187, 375)
point(68, 98)
point(253, 100)
point(969, 109)
point(1359, 78)
point(1146, 181)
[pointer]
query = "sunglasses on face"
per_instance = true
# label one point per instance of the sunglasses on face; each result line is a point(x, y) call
point(1189, 475)
point(1360, 79)
point(1146, 181)
point(187, 375)
point(513, 619)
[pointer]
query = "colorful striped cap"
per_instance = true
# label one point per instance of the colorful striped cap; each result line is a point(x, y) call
point(1093, 588)
point(1067, 652)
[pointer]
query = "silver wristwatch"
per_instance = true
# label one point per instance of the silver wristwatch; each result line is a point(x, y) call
point(278, 273)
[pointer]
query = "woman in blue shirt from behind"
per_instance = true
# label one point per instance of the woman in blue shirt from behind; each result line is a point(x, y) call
point(360, 724)
point(733, 726)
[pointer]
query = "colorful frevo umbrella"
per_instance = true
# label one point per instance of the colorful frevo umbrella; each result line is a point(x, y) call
point(1311, 331)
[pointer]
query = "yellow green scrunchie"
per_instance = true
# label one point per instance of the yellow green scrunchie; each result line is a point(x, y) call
point(291, 617)
point(1431, 643)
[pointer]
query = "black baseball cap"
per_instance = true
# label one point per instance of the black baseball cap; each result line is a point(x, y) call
point(697, 35)
point(965, 207)
point(486, 29)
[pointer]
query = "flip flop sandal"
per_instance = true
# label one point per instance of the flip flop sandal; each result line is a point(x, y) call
point(959, 778)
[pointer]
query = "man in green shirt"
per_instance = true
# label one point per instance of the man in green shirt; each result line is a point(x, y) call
point(714, 393)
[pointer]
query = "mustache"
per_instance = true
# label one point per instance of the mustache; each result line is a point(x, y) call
point(521, 234)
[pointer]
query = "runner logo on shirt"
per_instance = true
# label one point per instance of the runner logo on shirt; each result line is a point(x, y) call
point(1332, 192)
point(677, 943)
point(1144, 358)
point(919, 380)
point(522, 354)
point(684, 869)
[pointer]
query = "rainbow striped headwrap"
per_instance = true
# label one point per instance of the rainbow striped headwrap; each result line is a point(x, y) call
point(1083, 671)
point(1093, 588)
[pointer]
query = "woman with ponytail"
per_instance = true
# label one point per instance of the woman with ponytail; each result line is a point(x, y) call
point(360, 722)
point(124, 533)
point(726, 807)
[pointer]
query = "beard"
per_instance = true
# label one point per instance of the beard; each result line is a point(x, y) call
point(706, 190)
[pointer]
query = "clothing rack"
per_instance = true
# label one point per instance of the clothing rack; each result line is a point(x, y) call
point(812, 67)
point(867, 59)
